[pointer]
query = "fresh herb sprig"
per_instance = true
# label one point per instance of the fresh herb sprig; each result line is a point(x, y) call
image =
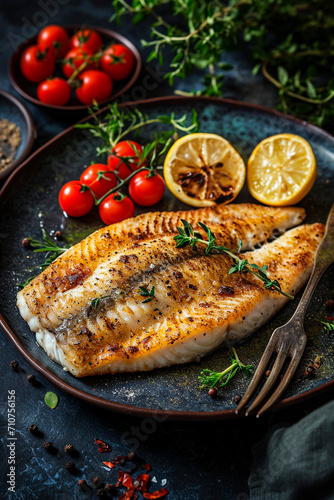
point(188, 237)
point(290, 41)
point(47, 245)
point(117, 124)
point(209, 378)
point(144, 292)
point(328, 326)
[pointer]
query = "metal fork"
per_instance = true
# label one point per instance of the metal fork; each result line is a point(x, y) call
point(289, 340)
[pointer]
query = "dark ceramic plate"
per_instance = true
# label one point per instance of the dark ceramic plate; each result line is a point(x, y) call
point(172, 391)
point(16, 112)
point(29, 89)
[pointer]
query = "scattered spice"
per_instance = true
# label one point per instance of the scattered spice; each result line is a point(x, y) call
point(97, 481)
point(58, 235)
point(33, 429)
point(157, 494)
point(102, 446)
point(132, 455)
point(109, 488)
point(213, 392)
point(82, 483)
point(14, 365)
point(48, 446)
point(70, 466)
point(147, 466)
point(100, 493)
point(237, 399)
point(10, 140)
point(267, 373)
point(69, 448)
point(109, 464)
point(26, 242)
point(31, 379)
point(330, 304)
point(313, 367)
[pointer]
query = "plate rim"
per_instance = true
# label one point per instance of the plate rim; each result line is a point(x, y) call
point(31, 133)
point(79, 107)
point(135, 410)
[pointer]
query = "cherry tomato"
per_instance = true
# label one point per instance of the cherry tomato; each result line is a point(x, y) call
point(56, 38)
point(146, 190)
point(114, 210)
point(124, 150)
point(100, 184)
point(117, 61)
point(86, 39)
point(96, 86)
point(75, 200)
point(37, 64)
point(55, 91)
point(74, 59)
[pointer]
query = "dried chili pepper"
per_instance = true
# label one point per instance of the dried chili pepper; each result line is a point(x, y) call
point(157, 494)
point(102, 446)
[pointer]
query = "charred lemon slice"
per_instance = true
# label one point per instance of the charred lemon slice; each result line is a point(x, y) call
point(203, 170)
point(281, 170)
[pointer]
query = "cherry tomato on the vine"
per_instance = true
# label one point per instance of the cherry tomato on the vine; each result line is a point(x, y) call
point(99, 179)
point(56, 38)
point(55, 91)
point(116, 208)
point(36, 63)
point(146, 189)
point(117, 61)
point(86, 39)
point(96, 86)
point(123, 149)
point(75, 199)
point(74, 58)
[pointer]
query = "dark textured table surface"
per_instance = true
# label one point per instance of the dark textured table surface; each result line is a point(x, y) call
point(193, 460)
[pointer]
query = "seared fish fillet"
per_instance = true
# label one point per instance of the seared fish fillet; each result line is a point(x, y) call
point(197, 304)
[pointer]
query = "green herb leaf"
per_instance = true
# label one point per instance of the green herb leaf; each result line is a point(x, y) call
point(51, 399)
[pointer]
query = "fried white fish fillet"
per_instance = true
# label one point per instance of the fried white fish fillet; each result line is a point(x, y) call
point(197, 304)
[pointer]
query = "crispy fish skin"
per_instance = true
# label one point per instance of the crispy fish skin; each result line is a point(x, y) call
point(197, 305)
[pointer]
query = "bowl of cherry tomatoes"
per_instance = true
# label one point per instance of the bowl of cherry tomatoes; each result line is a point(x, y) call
point(69, 68)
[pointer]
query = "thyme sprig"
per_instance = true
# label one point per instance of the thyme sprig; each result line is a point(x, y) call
point(144, 292)
point(188, 237)
point(117, 124)
point(293, 47)
point(209, 378)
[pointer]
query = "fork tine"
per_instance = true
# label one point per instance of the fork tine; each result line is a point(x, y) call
point(274, 374)
point(285, 380)
point(258, 373)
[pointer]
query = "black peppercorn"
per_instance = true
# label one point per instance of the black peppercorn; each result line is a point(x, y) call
point(69, 448)
point(33, 429)
point(237, 399)
point(70, 466)
point(97, 481)
point(330, 303)
point(14, 365)
point(58, 235)
point(213, 392)
point(100, 493)
point(82, 483)
point(31, 379)
point(25, 242)
point(48, 446)
point(132, 455)
point(109, 488)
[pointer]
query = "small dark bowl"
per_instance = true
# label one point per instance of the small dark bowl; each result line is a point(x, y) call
point(16, 112)
point(29, 89)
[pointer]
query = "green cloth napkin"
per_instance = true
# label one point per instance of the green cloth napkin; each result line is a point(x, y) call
point(296, 462)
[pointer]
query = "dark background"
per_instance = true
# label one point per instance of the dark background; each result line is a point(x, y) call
point(197, 460)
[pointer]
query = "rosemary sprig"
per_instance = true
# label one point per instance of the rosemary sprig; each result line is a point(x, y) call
point(188, 237)
point(328, 326)
point(144, 292)
point(47, 245)
point(209, 378)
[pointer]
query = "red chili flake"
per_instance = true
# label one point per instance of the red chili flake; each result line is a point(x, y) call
point(330, 318)
point(143, 480)
point(120, 478)
point(157, 494)
point(120, 459)
point(127, 481)
point(147, 467)
point(102, 446)
point(128, 494)
point(109, 464)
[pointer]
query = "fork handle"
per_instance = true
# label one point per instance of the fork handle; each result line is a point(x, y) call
point(324, 257)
